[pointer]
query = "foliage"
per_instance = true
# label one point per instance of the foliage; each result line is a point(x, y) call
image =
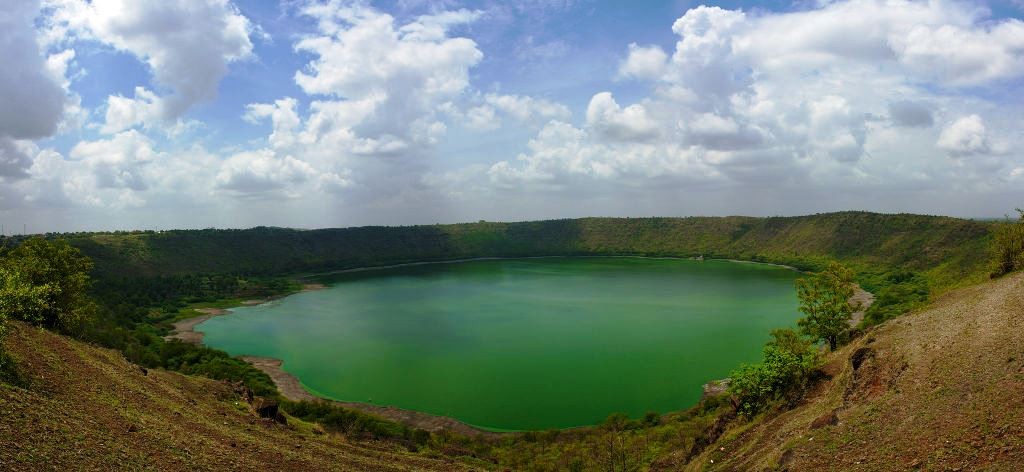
point(1008, 246)
point(825, 299)
point(900, 293)
point(44, 282)
point(354, 423)
point(789, 360)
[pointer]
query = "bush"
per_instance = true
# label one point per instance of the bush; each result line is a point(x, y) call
point(43, 282)
point(1008, 246)
point(789, 360)
point(354, 423)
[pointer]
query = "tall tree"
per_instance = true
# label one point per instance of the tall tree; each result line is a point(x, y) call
point(825, 299)
point(44, 282)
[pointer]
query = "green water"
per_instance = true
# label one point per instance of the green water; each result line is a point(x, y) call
point(521, 344)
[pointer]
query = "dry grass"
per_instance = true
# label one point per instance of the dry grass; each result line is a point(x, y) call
point(941, 389)
point(88, 409)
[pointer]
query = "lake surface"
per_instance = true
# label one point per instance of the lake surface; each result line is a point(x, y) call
point(521, 344)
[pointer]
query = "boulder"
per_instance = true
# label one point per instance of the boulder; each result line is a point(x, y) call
point(268, 408)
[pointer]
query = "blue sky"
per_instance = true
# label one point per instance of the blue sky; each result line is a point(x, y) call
point(137, 114)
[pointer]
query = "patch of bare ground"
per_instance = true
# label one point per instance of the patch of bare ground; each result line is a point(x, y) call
point(184, 330)
point(87, 408)
point(939, 389)
point(862, 299)
point(292, 389)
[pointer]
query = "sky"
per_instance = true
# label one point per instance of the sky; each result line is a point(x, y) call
point(160, 114)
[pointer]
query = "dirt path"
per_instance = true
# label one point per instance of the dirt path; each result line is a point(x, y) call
point(864, 298)
point(290, 387)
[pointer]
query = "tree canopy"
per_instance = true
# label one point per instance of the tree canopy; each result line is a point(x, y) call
point(44, 282)
point(825, 299)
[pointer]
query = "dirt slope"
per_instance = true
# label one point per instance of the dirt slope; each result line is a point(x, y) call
point(89, 409)
point(941, 389)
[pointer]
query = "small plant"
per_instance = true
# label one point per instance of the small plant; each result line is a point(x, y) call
point(1008, 245)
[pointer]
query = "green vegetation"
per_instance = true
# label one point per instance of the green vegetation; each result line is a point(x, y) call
point(825, 299)
point(789, 360)
point(144, 280)
point(44, 283)
point(355, 424)
point(1008, 246)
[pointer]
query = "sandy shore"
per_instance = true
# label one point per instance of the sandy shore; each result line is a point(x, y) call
point(185, 329)
point(292, 389)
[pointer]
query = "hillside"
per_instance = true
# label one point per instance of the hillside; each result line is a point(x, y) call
point(88, 409)
point(950, 250)
point(940, 389)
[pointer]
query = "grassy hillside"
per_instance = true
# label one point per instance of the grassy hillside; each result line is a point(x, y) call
point(950, 250)
point(86, 408)
point(940, 389)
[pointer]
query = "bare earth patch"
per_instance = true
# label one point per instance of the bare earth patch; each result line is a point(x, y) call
point(185, 329)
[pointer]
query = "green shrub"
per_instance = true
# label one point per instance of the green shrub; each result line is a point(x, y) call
point(354, 423)
point(1008, 246)
point(788, 362)
point(44, 282)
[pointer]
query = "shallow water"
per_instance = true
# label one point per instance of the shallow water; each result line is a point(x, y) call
point(521, 344)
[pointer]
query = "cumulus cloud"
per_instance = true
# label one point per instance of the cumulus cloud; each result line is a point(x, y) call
point(187, 45)
point(382, 83)
point(15, 158)
point(522, 109)
point(260, 172)
point(31, 94)
point(607, 118)
point(643, 62)
point(967, 136)
point(786, 100)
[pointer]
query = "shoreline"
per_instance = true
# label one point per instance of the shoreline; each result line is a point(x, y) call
point(184, 329)
point(292, 389)
point(498, 258)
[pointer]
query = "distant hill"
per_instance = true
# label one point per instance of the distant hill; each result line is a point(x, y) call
point(951, 250)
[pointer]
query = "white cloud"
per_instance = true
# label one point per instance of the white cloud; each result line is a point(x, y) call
point(385, 82)
point(839, 96)
point(523, 109)
point(643, 62)
point(607, 118)
point(967, 136)
point(260, 172)
point(187, 45)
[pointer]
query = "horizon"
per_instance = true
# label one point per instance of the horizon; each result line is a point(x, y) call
point(481, 221)
point(325, 114)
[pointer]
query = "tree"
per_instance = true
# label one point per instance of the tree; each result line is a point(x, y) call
point(825, 299)
point(44, 283)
